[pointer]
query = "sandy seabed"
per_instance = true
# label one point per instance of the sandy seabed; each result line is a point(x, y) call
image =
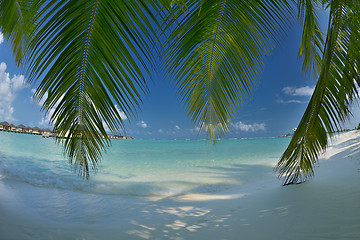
point(326, 207)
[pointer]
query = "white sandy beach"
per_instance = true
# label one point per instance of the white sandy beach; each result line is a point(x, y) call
point(326, 207)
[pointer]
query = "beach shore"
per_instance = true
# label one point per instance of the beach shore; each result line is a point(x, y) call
point(325, 207)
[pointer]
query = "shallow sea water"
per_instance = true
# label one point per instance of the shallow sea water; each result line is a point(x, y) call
point(160, 189)
point(142, 167)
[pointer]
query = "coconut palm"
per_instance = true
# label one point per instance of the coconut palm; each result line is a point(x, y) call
point(215, 53)
point(91, 55)
point(335, 63)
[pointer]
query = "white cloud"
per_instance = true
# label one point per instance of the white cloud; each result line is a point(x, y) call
point(161, 131)
point(289, 101)
point(46, 120)
point(106, 127)
point(142, 124)
point(122, 114)
point(249, 127)
point(177, 127)
point(1, 37)
point(8, 89)
point(43, 99)
point(302, 91)
point(18, 82)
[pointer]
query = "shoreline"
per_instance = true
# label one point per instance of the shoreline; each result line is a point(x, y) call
point(326, 207)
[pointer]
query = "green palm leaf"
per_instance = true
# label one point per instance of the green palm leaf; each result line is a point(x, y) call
point(330, 104)
point(216, 52)
point(312, 40)
point(16, 23)
point(90, 55)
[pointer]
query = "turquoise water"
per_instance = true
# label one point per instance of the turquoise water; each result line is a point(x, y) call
point(143, 167)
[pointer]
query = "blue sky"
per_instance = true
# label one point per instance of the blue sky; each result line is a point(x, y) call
point(275, 107)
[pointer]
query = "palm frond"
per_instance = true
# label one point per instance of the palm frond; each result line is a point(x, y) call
point(312, 41)
point(329, 106)
point(216, 52)
point(16, 23)
point(90, 55)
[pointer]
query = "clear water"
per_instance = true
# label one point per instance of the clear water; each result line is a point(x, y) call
point(143, 167)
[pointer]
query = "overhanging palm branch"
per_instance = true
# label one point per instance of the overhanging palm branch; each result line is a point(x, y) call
point(16, 23)
point(216, 52)
point(90, 55)
point(335, 90)
point(312, 38)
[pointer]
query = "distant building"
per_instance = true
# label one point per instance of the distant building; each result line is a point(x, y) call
point(36, 130)
point(28, 129)
point(48, 131)
point(20, 128)
point(12, 127)
point(5, 126)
